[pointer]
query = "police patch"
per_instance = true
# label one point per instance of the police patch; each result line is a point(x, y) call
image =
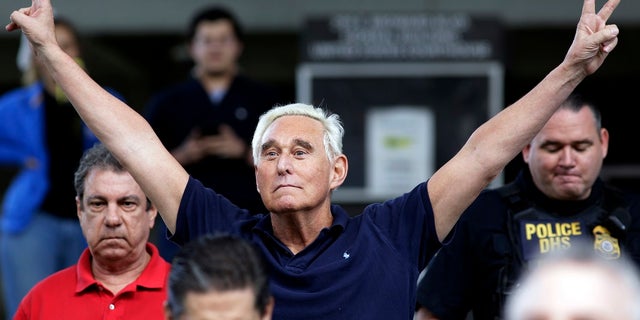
point(541, 236)
point(604, 244)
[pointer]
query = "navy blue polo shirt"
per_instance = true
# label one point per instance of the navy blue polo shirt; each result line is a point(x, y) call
point(362, 267)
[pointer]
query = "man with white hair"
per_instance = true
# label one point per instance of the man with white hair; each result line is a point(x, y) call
point(577, 284)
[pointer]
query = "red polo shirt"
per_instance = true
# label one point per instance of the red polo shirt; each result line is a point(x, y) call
point(74, 293)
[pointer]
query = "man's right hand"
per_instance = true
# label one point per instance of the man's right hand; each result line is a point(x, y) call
point(36, 22)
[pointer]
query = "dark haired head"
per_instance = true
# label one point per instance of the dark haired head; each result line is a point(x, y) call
point(575, 102)
point(97, 157)
point(212, 14)
point(218, 263)
point(64, 22)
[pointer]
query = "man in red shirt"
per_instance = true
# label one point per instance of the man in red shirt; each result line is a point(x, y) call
point(120, 275)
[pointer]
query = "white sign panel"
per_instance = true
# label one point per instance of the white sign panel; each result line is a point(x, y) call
point(400, 146)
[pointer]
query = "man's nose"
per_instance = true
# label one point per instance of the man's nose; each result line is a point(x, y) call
point(567, 158)
point(284, 164)
point(113, 217)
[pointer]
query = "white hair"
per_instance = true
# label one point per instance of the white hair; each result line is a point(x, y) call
point(333, 129)
point(622, 271)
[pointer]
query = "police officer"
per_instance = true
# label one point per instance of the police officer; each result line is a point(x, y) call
point(557, 202)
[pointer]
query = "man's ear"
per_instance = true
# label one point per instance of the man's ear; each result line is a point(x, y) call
point(78, 206)
point(525, 153)
point(153, 213)
point(604, 141)
point(255, 170)
point(340, 169)
point(167, 311)
point(268, 310)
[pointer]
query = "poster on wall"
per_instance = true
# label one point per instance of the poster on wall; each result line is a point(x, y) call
point(400, 144)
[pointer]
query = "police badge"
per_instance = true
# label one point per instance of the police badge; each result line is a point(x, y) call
point(604, 244)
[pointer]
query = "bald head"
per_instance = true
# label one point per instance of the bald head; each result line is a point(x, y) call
point(577, 284)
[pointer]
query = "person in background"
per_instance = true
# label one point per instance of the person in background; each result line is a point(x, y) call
point(218, 277)
point(322, 262)
point(577, 284)
point(43, 137)
point(207, 120)
point(557, 200)
point(120, 275)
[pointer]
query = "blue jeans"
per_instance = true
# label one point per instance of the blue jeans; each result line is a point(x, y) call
point(47, 245)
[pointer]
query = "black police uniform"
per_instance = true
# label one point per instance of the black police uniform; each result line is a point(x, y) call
point(503, 230)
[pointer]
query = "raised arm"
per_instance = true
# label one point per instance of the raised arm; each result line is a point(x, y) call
point(496, 142)
point(125, 133)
